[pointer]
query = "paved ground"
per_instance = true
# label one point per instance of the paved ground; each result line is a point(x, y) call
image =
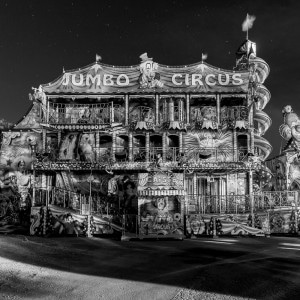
point(81, 268)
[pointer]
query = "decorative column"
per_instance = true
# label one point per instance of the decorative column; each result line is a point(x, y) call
point(251, 140)
point(126, 109)
point(218, 109)
point(188, 109)
point(227, 185)
point(194, 184)
point(113, 146)
point(164, 142)
point(147, 146)
point(47, 117)
point(58, 138)
point(33, 190)
point(180, 142)
point(112, 120)
point(97, 145)
point(130, 142)
point(165, 111)
point(235, 149)
point(250, 113)
point(251, 196)
point(156, 109)
point(44, 137)
point(181, 110)
point(171, 110)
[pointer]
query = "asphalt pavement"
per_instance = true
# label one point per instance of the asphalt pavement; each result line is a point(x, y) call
point(97, 268)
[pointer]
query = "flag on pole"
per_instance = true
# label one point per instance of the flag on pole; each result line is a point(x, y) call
point(248, 23)
point(204, 56)
point(98, 57)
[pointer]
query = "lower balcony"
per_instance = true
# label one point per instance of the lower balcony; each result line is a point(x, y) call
point(148, 157)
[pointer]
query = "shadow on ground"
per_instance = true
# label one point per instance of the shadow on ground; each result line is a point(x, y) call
point(228, 269)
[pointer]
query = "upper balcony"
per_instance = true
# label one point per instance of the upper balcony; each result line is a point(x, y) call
point(164, 113)
point(74, 116)
point(144, 157)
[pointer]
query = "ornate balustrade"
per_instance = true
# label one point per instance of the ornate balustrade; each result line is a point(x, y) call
point(75, 201)
point(100, 113)
point(278, 199)
point(114, 155)
point(234, 117)
point(59, 197)
point(232, 204)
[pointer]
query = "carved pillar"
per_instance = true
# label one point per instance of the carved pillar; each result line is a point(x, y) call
point(130, 142)
point(164, 142)
point(180, 142)
point(58, 138)
point(165, 111)
point(218, 109)
point(187, 108)
point(251, 140)
point(33, 189)
point(147, 146)
point(112, 120)
point(171, 110)
point(97, 145)
point(251, 113)
point(251, 196)
point(48, 110)
point(113, 146)
point(235, 149)
point(156, 109)
point(194, 184)
point(126, 109)
point(44, 139)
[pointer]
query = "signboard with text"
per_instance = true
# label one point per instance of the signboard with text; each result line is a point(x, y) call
point(147, 77)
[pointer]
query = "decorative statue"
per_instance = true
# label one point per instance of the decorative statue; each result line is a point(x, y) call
point(149, 78)
point(23, 181)
point(291, 127)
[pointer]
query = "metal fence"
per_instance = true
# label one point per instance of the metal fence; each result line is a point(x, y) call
point(168, 154)
point(277, 199)
point(200, 204)
point(100, 113)
point(60, 197)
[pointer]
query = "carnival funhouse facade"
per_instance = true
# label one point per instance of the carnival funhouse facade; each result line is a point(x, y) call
point(148, 150)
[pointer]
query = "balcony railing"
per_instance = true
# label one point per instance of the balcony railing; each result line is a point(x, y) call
point(101, 113)
point(169, 154)
point(72, 200)
point(218, 204)
point(272, 200)
point(59, 197)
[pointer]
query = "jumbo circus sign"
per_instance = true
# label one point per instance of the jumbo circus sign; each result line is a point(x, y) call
point(149, 76)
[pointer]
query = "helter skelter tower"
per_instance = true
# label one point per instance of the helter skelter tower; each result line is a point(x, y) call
point(258, 97)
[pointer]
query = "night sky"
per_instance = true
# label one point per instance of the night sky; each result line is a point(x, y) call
point(39, 38)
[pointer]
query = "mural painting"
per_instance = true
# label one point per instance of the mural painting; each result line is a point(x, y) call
point(224, 224)
point(160, 216)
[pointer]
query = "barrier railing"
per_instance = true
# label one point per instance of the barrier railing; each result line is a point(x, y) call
point(218, 204)
point(277, 199)
point(100, 113)
point(60, 197)
point(168, 154)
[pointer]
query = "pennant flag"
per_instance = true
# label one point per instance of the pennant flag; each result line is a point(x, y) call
point(98, 57)
point(248, 23)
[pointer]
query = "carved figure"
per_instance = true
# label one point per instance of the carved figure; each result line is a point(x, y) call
point(85, 149)
point(149, 78)
point(68, 147)
point(291, 127)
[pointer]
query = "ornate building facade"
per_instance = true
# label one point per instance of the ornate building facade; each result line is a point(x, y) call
point(161, 143)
